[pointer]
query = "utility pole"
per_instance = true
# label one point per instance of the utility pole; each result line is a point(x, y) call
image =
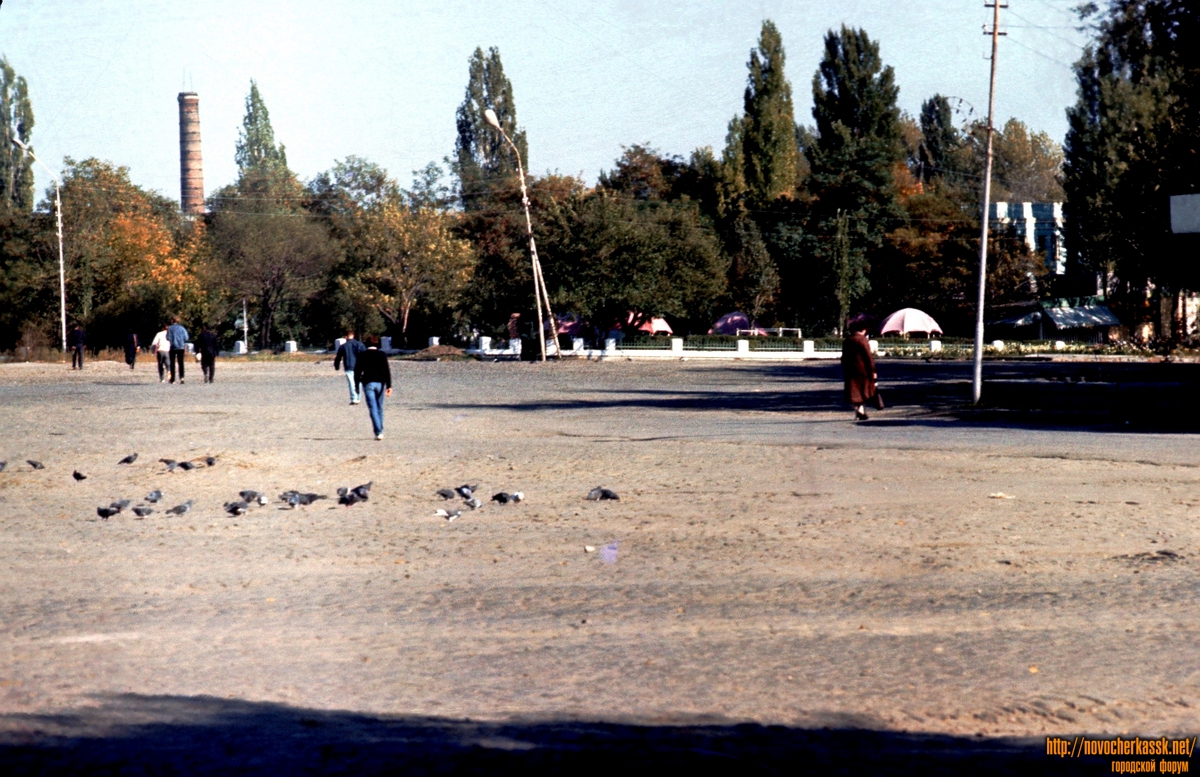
point(977, 377)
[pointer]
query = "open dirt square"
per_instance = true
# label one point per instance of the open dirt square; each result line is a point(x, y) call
point(771, 561)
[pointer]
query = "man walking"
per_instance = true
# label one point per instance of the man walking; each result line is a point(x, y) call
point(346, 358)
point(372, 372)
point(160, 346)
point(209, 347)
point(75, 341)
point(131, 348)
point(177, 336)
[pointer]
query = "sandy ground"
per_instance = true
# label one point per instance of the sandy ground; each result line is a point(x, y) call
point(820, 574)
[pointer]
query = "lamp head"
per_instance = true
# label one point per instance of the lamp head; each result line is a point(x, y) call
point(490, 115)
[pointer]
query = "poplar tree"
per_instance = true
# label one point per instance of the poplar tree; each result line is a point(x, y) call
point(256, 149)
point(482, 158)
point(940, 139)
point(768, 128)
point(854, 161)
point(16, 121)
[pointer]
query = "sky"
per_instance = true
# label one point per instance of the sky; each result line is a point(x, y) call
point(381, 79)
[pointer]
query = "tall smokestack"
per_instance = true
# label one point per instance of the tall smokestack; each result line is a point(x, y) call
point(191, 167)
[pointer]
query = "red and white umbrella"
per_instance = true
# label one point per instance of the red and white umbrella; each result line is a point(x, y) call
point(909, 320)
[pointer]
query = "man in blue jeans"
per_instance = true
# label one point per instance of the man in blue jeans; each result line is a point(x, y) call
point(347, 357)
point(371, 371)
point(177, 336)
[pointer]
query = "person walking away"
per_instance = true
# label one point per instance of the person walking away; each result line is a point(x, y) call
point(160, 346)
point(75, 341)
point(372, 373)
point(346, 358)
point(131, 348)
point(177, 336)
point(858, 367)
point(209, 346)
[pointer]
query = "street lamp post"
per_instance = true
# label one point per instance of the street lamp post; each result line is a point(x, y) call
point(62, 273)
point(539, 282)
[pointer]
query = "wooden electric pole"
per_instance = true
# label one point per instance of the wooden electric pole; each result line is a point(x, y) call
point(977, 377)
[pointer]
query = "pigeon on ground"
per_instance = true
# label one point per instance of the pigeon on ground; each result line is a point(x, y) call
point(248, 495)
point(154, 496)
point(3, 464)
point(295, 498)
point(449, 515)
point(236, 508)
point(78, 475)
point(142, 512)
point(186, 466)
point(171, 464)
point(506, 498)
point(181, 509)
point(120, 504)
point(106, 512)
point(347, 497)
point(474, 503)
point(128, 459)
point(446, 493)
point(599, 493)
point(35, 464)
point(465, 491)
point(211, 461)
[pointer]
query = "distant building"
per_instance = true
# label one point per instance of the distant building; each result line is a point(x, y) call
point(1039, 224)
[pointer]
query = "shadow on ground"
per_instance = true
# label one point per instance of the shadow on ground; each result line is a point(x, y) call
point(133, 735)
point(1134, 397)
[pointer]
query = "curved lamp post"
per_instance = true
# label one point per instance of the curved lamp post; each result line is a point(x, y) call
point(62, 274)
point(541, 296)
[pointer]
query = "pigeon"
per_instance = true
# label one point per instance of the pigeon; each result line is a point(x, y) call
point(446, 493)
point(128, 459)
point(186, 466)
point(154, 496)
point(181, 509)
point(506, 498)
point(142, 512)
point(598, 493)
point(106, 512)
point(3, 464)
point(236, 508)
point(249, 495)
point(171, 464)
point(295, 498)
point(120, 504)
point(35, 464)
point(449, 515)
point(348, 497)
point(211, 461)
point(465, 491)
point(474, 503)
point(78, 475)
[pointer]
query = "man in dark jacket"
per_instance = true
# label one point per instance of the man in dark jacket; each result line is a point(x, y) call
point(76, 339)
point(858, 367)
point(346, 358)
point(177, 336)
point(209, 346)
point(131, 348)
point(371, 371)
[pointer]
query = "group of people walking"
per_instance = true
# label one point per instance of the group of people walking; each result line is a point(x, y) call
point(368, 375)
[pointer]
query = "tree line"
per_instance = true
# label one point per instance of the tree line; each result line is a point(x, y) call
point(864, 209)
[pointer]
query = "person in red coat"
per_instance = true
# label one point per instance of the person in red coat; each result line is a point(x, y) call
point(858, 367)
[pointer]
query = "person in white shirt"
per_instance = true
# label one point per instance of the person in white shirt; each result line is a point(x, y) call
point(161, 348)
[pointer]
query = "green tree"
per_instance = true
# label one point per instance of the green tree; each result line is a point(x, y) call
point(940, 139)
point(16, 121)
point(753, 278)
point(768, 131)
point(1131, 143)
point(855, 160)
point(482, 160)
point(256, 148)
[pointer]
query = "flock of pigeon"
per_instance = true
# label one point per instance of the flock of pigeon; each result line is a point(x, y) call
point(249, 498)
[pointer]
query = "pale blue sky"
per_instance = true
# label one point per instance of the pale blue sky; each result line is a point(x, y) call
point(382, 79)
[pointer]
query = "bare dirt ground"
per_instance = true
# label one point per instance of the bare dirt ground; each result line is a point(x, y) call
point(775, 564)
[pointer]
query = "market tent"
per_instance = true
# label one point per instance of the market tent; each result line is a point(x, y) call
point(730, 323)
point(652, 326)
point(909, 320)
